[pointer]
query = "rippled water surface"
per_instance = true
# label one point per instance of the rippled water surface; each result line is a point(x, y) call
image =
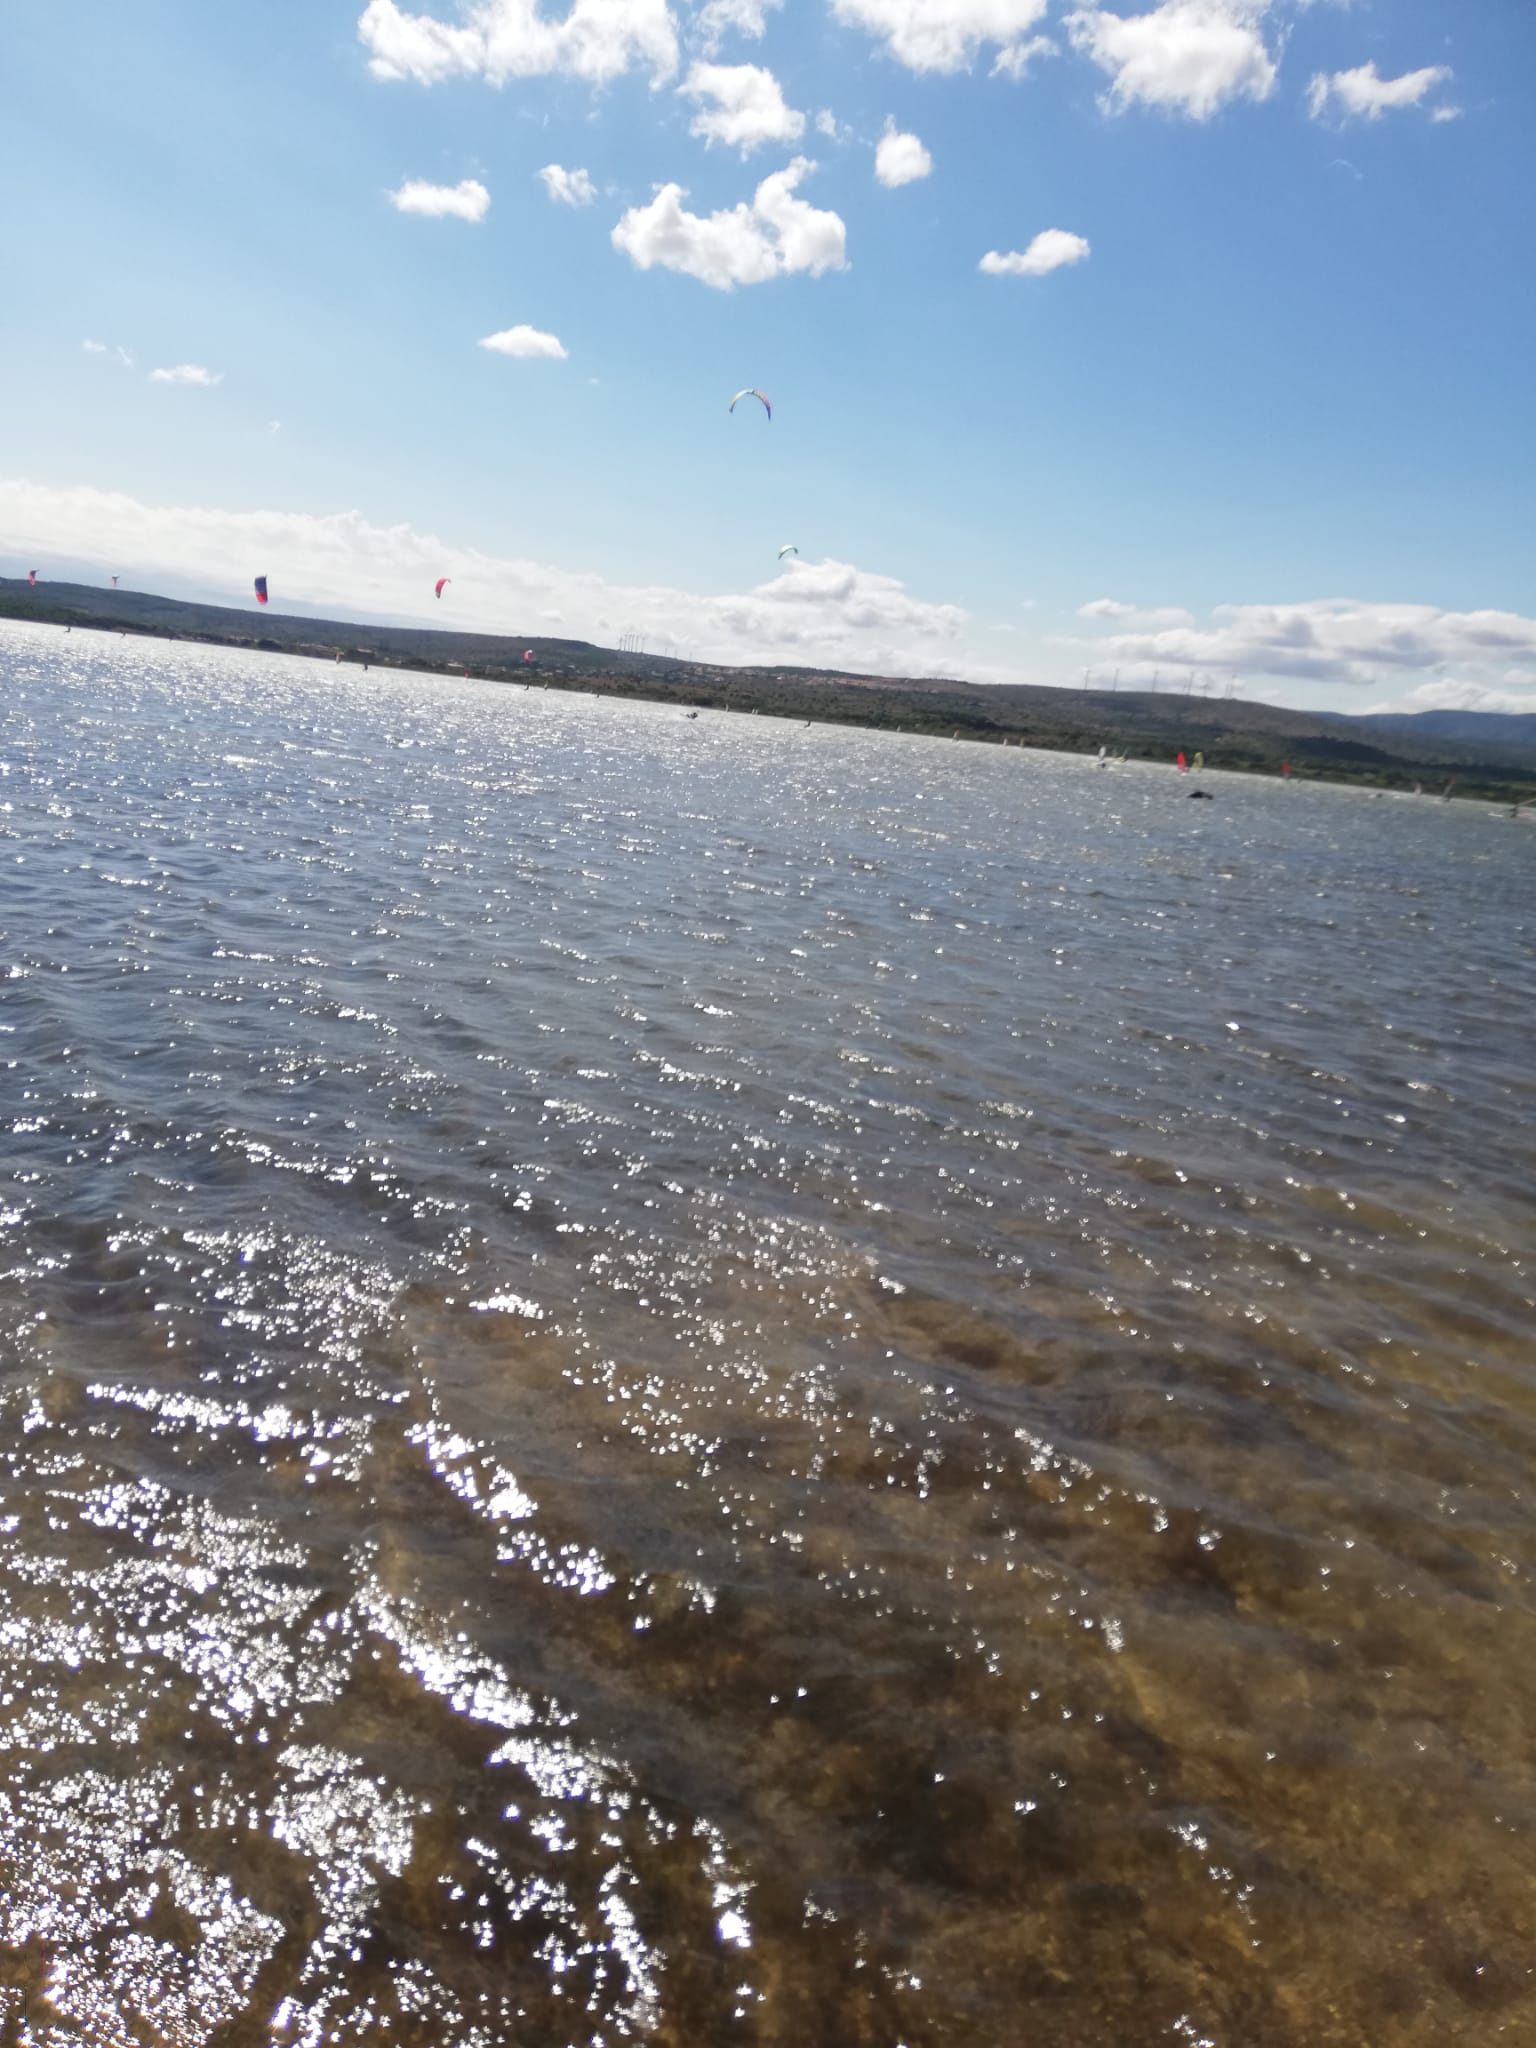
point(693, 1382)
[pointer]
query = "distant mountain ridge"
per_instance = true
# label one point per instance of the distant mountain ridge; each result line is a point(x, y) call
point(1503, 728)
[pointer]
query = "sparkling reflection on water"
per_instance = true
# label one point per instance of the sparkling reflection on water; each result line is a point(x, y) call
point(686, 1382)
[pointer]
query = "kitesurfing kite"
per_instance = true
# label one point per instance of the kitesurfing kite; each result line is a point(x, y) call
point(114, 583)
point(752, 392)
point(32, 578)
point(441, 581)
point(261, 589)
point(788, 549)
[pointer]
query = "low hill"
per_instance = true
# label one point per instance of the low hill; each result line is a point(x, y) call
point(1501, 728)
point(1156, 725)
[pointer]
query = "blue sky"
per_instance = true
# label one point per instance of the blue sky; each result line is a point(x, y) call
point(1260, 398)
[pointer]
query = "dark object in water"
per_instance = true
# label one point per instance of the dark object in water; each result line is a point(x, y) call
point(1199, 796)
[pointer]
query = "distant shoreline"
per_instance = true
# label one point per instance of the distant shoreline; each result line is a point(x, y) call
point(1233, 735)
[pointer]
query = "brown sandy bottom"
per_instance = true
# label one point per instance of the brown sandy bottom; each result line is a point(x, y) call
point(879, 1714)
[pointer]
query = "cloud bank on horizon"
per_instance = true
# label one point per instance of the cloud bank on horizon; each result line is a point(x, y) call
point(816, 611)
point(810, 613)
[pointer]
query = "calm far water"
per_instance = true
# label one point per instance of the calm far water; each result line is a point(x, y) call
point(693, 1382)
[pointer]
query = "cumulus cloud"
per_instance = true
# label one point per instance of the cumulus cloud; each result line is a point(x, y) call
point(720, 18)
point(1106, 608)
point(188, 373)
point(899, 158)
point(497, 40)
point(778, 233)
point(945, 35)
point(568, 188)
point(748, 108)
point(1050, 249)
point(468, 200)
point(1335, 640)
point(830, 613)
point(1462, 697)
point(525, 342)
point(1186, 56)
point(1361, 95)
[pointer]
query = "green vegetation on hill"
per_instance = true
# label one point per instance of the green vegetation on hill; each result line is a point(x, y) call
point(1232, 733)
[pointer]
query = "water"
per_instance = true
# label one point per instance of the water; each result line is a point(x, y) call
point(701, 1382)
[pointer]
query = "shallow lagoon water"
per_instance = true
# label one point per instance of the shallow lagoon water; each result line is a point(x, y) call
point(682, 1382)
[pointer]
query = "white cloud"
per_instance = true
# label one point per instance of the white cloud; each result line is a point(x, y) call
point(1335, 640)
point(1188, 56)
point(1050, 249)
point(748, 109)
point(1015, 58)
point(568, 188)
point(100, 348)
point(468, 200)
point(525, 342)
point(1149, 619)
point(94, 348)
point(945, 35)
point(829, 613)
point(501, 39)
point(776, 234)
point(828, 124)
point(1461, 697)
point(188, 373)
point(1361, 95)
point(899, 158)
point(1441, 114)
point(719, 18)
